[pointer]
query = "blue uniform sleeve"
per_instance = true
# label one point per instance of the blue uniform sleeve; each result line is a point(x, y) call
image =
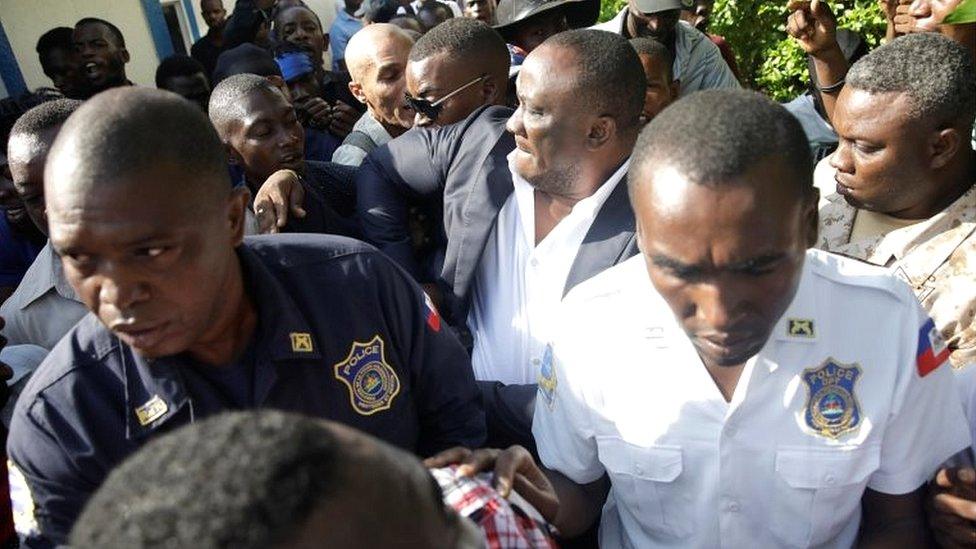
point(448, 401)
point(405, 171)
point(47, 490)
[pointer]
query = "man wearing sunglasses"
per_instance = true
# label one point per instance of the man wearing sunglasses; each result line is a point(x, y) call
point(455, 68)
point(534, 202)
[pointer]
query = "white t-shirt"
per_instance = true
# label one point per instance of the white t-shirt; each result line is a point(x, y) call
point(519, 285)
point(833, 404)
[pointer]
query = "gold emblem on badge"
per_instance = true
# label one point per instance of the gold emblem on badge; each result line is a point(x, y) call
point(301, 342)
point(152, 410)
point(800, 327)
point(372, 383)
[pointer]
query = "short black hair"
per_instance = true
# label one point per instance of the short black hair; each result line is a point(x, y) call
point(126, 131)
point(177, 65)
point(44, 117)
point(436, 9)
point(58, 38)
point(465, 40)
point(606, 61)
point(245, 480)
point(648, 45)
point(299, 7)
point(242, 479)
point(935, 72)
point(226, 98)
point(246, 58)
point(713, 137)
point(113, 30)
point(379, 11)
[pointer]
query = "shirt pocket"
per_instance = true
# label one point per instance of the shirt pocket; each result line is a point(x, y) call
point(646, 486)
point(818, 492)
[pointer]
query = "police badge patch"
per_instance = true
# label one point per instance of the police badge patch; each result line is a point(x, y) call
point(832, 407)
point(547, 378)
point(372, 383)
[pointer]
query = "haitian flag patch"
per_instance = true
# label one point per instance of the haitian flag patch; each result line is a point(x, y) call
point(433, 319)
point(932, 349)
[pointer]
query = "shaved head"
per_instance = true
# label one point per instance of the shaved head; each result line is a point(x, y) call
point(226, 101)
point(363, 46)
point(123, 132)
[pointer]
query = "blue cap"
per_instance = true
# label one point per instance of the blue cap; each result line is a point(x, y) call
point(294, 65)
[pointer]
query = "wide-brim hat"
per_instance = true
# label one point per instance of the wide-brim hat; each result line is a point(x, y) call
point(579, 13)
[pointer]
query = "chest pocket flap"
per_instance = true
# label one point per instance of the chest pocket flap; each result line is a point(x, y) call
point(657, 463)
point(826, 468)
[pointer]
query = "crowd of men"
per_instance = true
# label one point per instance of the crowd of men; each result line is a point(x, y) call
point(497, 276)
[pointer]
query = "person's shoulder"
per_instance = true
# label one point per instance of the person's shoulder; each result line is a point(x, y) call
point(689, 38)
point(866, 280)
point(86, 351)
point(289, 250)
point(319, 170)
point(620, 285)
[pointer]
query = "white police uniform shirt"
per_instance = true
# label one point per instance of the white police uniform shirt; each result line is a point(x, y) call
point(834, 403)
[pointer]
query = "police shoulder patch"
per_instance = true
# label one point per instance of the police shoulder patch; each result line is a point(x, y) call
point(547, 378)
point(832, 408)
point(372, 382)
point(22, 502)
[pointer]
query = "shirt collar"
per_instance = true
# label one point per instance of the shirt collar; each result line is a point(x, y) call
point(589, 205)
point(155, 391)
point(45, 274)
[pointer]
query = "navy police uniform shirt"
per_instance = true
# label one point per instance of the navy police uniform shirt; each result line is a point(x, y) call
point(342, 334)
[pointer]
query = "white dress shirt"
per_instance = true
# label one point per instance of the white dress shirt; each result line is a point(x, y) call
point(519, 285)
point(837, 401)
point(44, 306)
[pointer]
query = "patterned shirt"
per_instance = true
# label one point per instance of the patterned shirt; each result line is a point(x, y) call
point(506, 523)
point(936, 257)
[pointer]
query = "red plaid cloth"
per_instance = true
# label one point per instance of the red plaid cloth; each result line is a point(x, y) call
point(505, 524)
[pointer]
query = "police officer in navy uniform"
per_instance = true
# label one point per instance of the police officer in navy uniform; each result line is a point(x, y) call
point(191, 320)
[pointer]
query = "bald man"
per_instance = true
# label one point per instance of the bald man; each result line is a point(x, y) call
point(190, 319)
point(377, 59)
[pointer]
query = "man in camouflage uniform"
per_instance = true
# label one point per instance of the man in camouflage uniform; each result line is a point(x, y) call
point(905, 172)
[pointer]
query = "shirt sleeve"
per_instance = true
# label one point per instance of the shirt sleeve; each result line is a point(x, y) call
point(927, 424)
point(562, 424)
point(447, 399)
point(47, 490)
point(705, 69)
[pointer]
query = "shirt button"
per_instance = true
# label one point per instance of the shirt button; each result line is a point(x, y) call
point(638, 469)
point(734, 507)
point(730, 430)
point(534, 262)
point(829, 479)
point(535, 361)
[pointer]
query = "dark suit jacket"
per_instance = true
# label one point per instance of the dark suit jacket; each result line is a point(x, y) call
point(466, 166)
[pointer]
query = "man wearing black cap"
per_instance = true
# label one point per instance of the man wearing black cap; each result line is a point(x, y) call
point(698, 63)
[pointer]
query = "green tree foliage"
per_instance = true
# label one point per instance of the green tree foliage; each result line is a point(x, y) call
point(770, 60)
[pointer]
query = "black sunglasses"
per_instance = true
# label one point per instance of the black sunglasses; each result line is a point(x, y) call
point(432, 109)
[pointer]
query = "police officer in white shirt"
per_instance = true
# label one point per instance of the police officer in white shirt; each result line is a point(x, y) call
point(734, 388)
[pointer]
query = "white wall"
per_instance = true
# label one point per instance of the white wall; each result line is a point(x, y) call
point(26, 20)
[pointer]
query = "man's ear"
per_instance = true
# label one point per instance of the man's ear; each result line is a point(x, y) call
point(675, 90)
point(279, 83)
point(125, 55)
point(944, 145)
point(811, 217)
point(490, 91)
point(602, 130)
point(233, 157)
point(240, 198)
point(356, 89)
